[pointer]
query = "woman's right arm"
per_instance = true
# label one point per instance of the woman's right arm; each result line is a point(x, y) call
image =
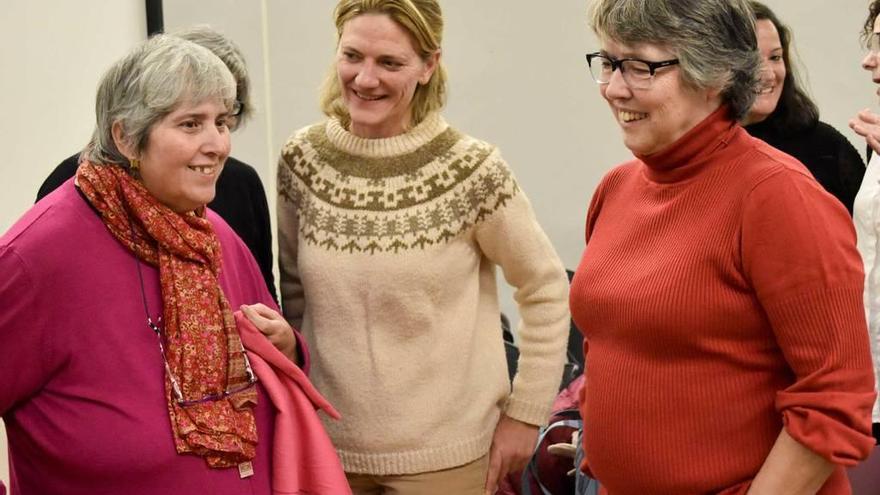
point(292, 300)
point(24, 350)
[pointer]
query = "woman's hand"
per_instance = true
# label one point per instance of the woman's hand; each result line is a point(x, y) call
point(274, 327)
point(867, 124)
point(512, 447)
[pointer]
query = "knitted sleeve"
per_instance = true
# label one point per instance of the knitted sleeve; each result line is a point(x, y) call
point(512, 238)
point(287, 208)
point(799, 252)
point(28, 357)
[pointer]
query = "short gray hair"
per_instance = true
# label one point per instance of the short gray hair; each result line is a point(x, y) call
point(714, 40)
point(149, 83)
point(231, 55)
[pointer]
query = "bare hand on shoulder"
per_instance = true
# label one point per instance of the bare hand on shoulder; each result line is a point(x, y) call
point(867, 124)
point(512, 447)
point(274, 327)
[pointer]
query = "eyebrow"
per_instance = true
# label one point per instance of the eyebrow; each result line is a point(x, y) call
point(199, 115)
point(396, 56)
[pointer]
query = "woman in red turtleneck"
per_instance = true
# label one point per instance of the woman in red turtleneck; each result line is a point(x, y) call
point(720, 291)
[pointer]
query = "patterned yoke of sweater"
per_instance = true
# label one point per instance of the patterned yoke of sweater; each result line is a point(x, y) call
point(388, 253)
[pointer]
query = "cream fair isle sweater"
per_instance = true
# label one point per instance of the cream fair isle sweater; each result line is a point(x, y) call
point(388, 249)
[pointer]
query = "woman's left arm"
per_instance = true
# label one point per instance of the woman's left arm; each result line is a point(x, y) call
point(511, 237)
point(791, 469)
point(799, 255)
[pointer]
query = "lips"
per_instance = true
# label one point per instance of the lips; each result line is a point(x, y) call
point(765, 89)
point(367, 97)
point(206, 170)
point(627, 116)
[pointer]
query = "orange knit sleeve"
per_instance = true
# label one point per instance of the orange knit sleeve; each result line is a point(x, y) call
point(799, 253)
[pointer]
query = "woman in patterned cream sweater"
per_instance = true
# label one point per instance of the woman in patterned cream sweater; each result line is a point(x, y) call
point(391, 225)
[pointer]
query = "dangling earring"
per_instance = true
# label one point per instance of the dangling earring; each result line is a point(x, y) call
point(135, 164)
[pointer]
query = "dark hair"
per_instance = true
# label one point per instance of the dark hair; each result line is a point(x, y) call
point(868, 28)
point(795, 110)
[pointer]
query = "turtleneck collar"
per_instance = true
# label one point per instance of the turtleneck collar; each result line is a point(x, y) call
point(690, 153)
point(418, 136)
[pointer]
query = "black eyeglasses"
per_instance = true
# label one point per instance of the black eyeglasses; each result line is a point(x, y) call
point(636, 72)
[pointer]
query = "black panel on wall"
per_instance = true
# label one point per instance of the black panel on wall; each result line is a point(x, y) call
point(155, 20)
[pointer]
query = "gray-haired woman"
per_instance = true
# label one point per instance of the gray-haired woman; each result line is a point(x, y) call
point(240, 198)
point(124, 369)
point(720, 287)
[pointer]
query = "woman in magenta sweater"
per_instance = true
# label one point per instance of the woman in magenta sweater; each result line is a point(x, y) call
point(123, 369)
point(720, 288)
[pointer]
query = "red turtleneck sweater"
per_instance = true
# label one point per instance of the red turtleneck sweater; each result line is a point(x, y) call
point(720, 294)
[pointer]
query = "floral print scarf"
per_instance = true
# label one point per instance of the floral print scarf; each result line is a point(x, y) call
point(201, 342)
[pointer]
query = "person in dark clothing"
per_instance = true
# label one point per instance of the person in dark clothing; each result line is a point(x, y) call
point(786, 118)
point(240, 199)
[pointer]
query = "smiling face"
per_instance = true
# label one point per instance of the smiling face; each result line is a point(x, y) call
point(871, 62)
point(184, 154)
point(379, 69)
point(653, 118)
point(772, 75)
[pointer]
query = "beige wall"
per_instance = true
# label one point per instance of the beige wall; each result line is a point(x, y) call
point(517, 78)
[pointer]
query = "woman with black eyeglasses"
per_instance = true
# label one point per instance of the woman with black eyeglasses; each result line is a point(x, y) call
point(720, 288)
point(126, 365)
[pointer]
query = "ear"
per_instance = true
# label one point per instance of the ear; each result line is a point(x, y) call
point(123, 144)
point(713, 94)
point(431, 64)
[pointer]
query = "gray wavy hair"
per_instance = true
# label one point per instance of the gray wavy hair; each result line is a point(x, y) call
point(150, 82)
point(231, 55)
point(714, 40)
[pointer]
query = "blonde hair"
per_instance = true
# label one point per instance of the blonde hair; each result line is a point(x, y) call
point(423, 20)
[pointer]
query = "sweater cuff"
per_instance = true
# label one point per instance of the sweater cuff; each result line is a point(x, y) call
point(829, 423)
point(527, 412)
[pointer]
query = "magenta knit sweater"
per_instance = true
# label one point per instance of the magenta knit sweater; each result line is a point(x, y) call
point(81, 376)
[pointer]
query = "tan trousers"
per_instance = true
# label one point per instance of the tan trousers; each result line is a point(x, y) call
point(469, 479)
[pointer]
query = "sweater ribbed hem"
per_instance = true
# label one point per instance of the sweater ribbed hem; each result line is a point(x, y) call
point(413, 139)
point(528, 412)
point(417, 461)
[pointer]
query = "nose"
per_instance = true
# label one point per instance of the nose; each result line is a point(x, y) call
point(216, 141)
point(617, 87)
point(765, 76)
point(366, 76)
point(870, 61)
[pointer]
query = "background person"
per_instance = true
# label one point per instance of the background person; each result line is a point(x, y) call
point(240, 199)
point(785, 117)
point(412, 217)
point(720, 287)
point(867, 124)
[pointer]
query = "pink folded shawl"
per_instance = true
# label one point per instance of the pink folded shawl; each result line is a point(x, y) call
point(304, 461)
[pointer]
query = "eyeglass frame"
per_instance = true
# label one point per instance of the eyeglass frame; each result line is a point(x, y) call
point(237, 109)
point(618, 64)
point(175, 385)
